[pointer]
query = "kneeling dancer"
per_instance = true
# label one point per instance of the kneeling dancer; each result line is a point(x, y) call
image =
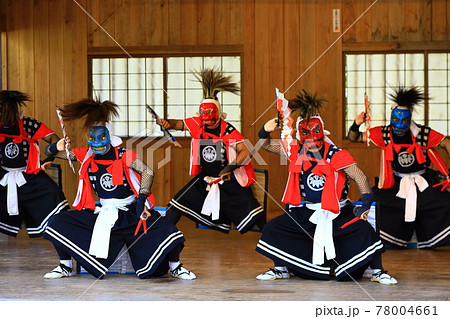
point(94, 234)
point(298, 240)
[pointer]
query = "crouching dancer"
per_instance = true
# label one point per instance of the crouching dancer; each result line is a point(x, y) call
point(219, 194)
point(408, 198)
point(27, 193)
point(299, 240)
point(94, 234)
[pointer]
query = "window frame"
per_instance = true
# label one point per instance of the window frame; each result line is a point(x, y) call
point(183, 52)
point(424, 48)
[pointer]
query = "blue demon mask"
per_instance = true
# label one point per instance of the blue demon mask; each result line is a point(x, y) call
point(400, 120)
point(99, 139)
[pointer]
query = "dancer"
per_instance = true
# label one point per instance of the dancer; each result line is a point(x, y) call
point(219, 194)
point(27, 194)
point(318, 171)
point(95, 233)
point(408, 200)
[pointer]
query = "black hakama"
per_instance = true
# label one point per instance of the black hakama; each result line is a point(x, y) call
point(432, 223)
point(71, 231)
point(288, 241)
point(238, 205)
point(39, 199)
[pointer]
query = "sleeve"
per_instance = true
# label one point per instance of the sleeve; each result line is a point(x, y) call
point(146, 174)
point(235, 137)
point(434, 138)
point(128, 157)
point(80, 153)
point(342, 159)
point(193, 125)
point(272, 146)
point(376, 137)
point(42, 131)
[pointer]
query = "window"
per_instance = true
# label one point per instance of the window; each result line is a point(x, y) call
point(166, 83)
point(376, 75)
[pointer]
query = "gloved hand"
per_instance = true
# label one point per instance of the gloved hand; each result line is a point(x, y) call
point(140, 204)
point(367, 200)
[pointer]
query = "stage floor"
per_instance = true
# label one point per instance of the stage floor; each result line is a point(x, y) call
point(226, 267)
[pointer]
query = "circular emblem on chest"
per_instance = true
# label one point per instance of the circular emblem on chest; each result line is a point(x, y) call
point(209, 154)
point(106, 182)
point(11, 150)
point(315, 182)
point(406, 159)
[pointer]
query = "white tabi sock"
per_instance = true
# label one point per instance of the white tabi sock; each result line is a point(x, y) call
point(281, 268)
point(67, 263)
point(173, 264)
point(376, 270)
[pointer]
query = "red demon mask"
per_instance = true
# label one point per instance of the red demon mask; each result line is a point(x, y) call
point(209, 113)
point(311, 133)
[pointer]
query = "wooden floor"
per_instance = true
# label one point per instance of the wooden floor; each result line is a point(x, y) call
point(226, 266)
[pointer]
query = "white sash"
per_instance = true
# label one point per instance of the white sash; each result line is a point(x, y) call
point(13, 179)
point(408, 191)
point(211, 205)
point(107, 217)
point(323, 235)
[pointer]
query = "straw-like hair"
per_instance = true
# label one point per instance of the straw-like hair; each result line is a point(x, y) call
point(408, 98)
point(94, 112)
point(10, 102)
point(306, 105)
point(214, 81)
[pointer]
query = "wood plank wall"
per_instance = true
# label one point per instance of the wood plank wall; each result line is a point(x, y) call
point(287, 44)
point(2, 20)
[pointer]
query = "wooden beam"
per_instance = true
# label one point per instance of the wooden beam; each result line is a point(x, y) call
point(395, 46)
point(172, 49)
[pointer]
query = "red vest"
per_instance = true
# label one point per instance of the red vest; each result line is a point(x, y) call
point(119, 166)
point(245, 175)
point(387, 154)
point(334, 177)
point(33, 163)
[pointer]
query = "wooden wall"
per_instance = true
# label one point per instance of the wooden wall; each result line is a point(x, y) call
point(287, 44)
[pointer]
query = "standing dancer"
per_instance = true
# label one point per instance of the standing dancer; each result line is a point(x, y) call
point(318, 171)
point(405, 193)
point(95, 234)
point(27, 193)
point(219, 194)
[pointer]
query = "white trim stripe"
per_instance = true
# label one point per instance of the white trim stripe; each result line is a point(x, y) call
point(9, 228)
point(435, 239)
point(40, 228)
point(292, 259)
point(158, 252)
point(90, 259)
point(249, 217)
point(392, 239)
point(197, 216)
point(359, 257)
